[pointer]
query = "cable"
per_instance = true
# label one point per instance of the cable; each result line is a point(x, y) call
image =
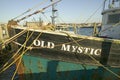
point(20, 55)
point(14, 55)
point(30, 9)
point(19, 61)
point(94, 58)
point(115, 25)
point(93, 13)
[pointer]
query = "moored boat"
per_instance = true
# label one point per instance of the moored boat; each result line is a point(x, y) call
point(42, 49)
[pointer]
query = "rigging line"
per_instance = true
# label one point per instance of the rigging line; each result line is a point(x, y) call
point(38, 11)
point(24, 42)
point(93, 13)
point(13, 55)
point(16, 53)
point(42, 47)
point(45, 17)
point(20, 55)
point(35, 21)
point(83, 64)
point(17, 67)
point(61, 19)
point(94, 58)
point(55, 45)
point(14, 37)
point(19, 44)
point(31, 9)
point(115, 25)
point(45, 47)
point(76, 42)
point(19, 61)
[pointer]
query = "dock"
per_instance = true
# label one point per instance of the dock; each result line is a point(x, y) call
point(79, 24)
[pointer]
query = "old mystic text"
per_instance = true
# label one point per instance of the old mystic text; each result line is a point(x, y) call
point(67, 47)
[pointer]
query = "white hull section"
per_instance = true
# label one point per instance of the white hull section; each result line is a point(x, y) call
point(110, 31)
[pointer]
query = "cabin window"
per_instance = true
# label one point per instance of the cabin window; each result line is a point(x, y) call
point(113, 18)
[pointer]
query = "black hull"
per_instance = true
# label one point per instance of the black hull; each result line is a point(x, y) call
point(60, 46)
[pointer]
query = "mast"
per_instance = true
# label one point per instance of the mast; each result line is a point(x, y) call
point(104, 4)
point(53, 13)
point(38, 11)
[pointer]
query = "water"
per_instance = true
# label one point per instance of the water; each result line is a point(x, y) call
point(7, 74)
point(84, 30)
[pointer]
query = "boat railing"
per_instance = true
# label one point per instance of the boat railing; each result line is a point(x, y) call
point(109, 4)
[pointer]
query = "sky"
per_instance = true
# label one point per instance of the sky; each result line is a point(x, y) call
point(69, 11)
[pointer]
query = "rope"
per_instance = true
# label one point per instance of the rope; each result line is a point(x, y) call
point(94, 58)
point(14, 55)
point(17, 68)
point(110, 27)
point(19, 61)
point(55, 45)
point(17, 51)
point(46, 17)
point(20, 55)
point(38, 11)
point(34, 20)
point(31, 9)
point(76, 41)
point(93, 13)
point(58, 45)
point(14, 37)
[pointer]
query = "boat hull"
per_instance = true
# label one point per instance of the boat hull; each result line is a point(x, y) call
point(60, 56)
point(39, 68)
point(71, 48)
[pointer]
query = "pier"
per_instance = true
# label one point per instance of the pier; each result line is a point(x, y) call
point(80, 24)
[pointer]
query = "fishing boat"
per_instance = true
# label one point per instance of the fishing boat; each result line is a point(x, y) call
point(40, 51)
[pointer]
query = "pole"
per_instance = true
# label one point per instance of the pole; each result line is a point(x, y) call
point(104, 5)
point(39, 11)
point(53, 13)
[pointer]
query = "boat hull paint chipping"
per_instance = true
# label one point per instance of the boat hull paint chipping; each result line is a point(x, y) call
point(59, 46)
point(38, 68)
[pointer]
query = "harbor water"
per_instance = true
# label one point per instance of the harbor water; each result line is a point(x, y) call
point(84, 30)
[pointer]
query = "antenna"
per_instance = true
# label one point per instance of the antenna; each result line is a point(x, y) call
point(104, 4)
point(39, 11)
point(53, 12)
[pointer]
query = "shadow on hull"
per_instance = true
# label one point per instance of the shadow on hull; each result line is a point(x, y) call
point(44, 69)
